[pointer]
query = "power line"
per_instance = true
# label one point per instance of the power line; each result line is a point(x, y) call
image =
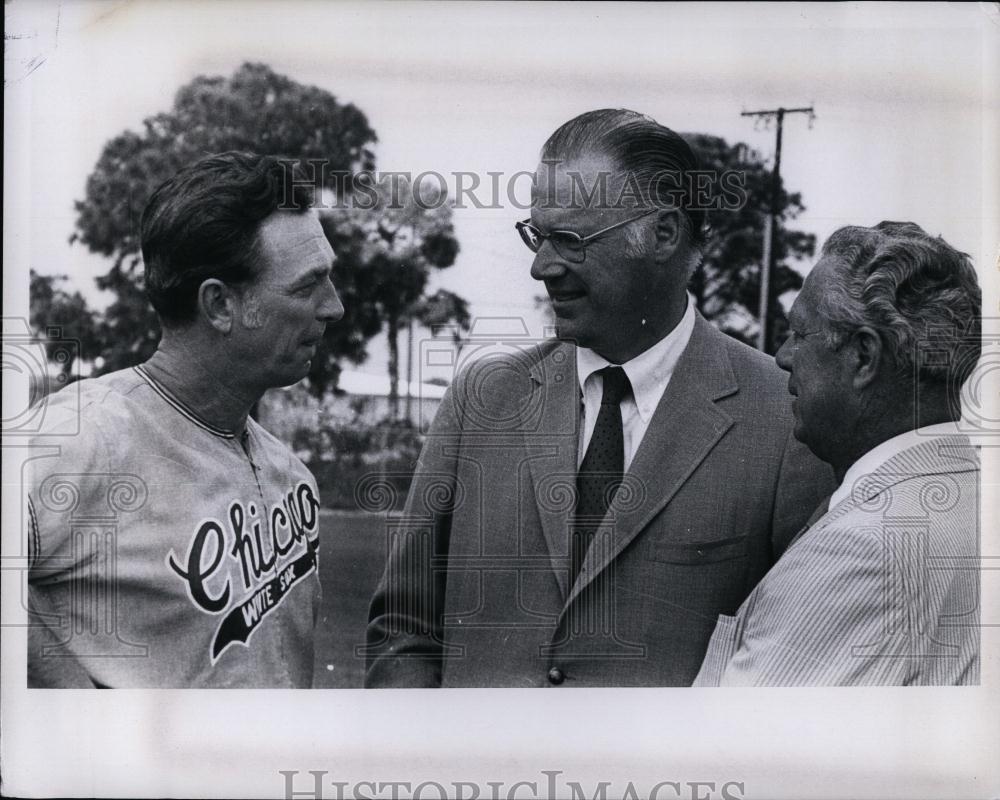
point(770, 231)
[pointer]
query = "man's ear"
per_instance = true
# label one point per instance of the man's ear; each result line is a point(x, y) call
point(217, 304)
point(869, 356)
point(669, 227)
point(669, 231)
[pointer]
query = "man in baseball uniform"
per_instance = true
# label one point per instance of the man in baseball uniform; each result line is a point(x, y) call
point(172, 540)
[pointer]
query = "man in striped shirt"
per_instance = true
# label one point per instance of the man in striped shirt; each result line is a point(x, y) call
point(883, 587)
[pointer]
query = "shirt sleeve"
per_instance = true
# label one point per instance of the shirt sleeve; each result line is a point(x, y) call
point(68, 480)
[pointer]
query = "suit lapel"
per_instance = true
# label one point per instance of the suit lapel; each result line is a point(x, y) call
point(552, 448)
point(685, 427)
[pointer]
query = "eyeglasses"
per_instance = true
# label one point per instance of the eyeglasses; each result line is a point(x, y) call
point(795, 338)
point(568, 244)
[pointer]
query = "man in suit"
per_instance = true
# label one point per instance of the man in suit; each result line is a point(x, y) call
point(584, 509)
point(883, 588)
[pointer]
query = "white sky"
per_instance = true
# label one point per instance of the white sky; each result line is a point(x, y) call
point(906, 128)
point(900, 94)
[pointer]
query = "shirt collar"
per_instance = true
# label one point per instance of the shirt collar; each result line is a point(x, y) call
point(881, 453)
point(650, 371)
point(181, 407)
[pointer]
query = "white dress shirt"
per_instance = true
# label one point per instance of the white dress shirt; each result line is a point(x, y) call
point(881, 453)
point(648, 373)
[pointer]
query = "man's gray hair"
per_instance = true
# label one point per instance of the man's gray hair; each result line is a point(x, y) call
point(916, 290)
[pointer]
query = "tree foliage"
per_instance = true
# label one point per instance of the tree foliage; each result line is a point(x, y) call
point(443, 309)
point(58, 318)
point(727, 286)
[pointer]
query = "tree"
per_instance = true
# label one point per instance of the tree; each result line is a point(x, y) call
point(387, 244)
point(727, 285)
point(257, 110)
point(51, 307)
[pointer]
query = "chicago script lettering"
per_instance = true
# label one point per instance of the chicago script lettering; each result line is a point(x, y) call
point(195, 575)
point(292, 522)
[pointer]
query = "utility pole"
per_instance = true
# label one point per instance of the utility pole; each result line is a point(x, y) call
point(771, 229)
point(409, 371)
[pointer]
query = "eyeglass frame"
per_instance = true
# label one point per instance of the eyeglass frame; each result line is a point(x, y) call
point(582, 241)
point(796, 339)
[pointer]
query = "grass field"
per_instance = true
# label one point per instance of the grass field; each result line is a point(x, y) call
point(352, 557)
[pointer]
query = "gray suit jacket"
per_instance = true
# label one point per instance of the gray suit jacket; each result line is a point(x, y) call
point(476, 590)
point(882, 590)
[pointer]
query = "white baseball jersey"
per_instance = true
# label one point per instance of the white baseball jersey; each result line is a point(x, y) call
point(164, 551)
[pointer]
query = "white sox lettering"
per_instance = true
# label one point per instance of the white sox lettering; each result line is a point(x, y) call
point(293, 527)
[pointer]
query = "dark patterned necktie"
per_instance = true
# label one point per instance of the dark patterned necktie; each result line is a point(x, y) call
point(603, 466)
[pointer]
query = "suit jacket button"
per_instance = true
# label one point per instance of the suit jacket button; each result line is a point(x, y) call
point(556, 676)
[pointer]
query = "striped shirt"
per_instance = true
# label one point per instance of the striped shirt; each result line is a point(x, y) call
point(882, 590)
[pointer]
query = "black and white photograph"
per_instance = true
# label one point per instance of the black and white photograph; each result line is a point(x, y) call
point(575, 400)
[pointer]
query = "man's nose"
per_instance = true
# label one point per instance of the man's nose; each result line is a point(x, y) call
point(783, 358)
point(331, 309)
point(547, 264)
